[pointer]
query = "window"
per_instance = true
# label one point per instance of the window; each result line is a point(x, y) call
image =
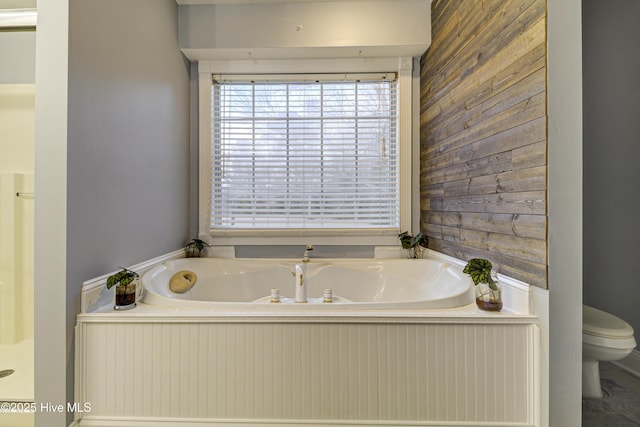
point(301, 154)
point(317, 152)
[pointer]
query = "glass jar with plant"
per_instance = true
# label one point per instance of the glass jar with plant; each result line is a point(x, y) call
point(488, 292)
point(194, 248)
point(127, 283)
point(414, 245)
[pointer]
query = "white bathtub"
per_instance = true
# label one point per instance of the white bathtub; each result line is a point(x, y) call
point(356, 283)
point(219, 356)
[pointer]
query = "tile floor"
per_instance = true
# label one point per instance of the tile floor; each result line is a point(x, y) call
point(621, 404)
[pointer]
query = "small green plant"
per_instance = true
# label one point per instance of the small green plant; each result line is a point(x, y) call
point(413, 244)
point(122, 277)
point(480, 271)
point(198, 244)
point(408, 241)
point(195, 247)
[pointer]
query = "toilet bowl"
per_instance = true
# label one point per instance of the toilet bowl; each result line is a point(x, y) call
point(605, 337)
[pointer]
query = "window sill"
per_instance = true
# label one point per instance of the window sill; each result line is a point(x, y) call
point(303, 237)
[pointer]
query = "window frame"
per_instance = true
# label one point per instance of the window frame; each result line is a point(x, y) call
point(404, 69)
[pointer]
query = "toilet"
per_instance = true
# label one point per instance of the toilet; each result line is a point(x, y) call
point(605, 337)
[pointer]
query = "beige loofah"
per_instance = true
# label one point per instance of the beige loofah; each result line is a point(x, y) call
point(182, 281)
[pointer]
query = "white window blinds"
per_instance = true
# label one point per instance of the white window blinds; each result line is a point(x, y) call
point(304, 152)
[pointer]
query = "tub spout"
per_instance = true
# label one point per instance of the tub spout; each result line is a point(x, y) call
point(301, 285)
point(305, 257)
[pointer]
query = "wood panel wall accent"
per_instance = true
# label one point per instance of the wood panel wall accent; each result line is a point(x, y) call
point(483, 134)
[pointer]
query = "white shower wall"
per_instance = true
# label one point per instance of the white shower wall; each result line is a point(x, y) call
point(16, 257)
point(17, 127)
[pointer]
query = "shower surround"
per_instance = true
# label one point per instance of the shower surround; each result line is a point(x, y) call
point(16, 286)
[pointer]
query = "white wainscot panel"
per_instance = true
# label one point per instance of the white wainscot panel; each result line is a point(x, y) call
point(216, 373)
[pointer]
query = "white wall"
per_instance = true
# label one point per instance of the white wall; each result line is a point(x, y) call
point(17, 136)
point(611, 149)
point(565, 211)
point(17, 50)
point(347, 28)
point(52, 346)
point(16, 258)
point(17, 126)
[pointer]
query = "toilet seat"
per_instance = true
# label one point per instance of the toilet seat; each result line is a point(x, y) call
point(602, 324)
point(606, 330)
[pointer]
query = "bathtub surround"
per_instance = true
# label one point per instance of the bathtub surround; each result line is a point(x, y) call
point(304, 365)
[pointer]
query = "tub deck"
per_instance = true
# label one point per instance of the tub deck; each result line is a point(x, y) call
point(152, 313)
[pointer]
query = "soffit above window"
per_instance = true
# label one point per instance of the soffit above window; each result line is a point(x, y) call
point(308, 29)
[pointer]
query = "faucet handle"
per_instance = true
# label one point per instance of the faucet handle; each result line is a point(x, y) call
point(309, 247)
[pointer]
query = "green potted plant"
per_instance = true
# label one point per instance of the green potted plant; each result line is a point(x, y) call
point(488, 293)
point(194, 248)
point(414, 245)
point(126, 282)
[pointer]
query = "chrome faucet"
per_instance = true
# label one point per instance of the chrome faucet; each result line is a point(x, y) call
point(305, 257)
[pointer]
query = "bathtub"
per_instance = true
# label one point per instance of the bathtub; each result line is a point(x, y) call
point(222, 355)
point(355, 283)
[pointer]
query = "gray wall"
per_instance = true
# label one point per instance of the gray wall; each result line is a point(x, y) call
point(128, 146)
point(128, 138)
point(611, 58)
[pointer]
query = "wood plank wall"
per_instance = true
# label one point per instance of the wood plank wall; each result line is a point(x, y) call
point(483, 134)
